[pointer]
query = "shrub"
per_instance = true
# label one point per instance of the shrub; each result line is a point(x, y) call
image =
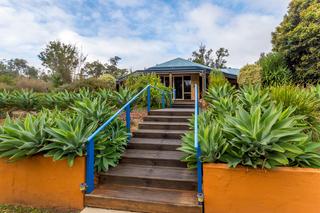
point(274, 70)
point(250, 74)
point(93, 110)
point(121, 97)
point(33, 84)
point(253, 95)
point(92, 84)
point(253, 130)
point(68, 138)
point(138, 82)
point(216, 78)
point(110, 144)
point(23, 99)
point(304, 101)
point(108, 79)
point(22, 138)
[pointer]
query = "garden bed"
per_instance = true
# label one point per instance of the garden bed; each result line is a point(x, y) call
point(256, 190)
point(40, 182)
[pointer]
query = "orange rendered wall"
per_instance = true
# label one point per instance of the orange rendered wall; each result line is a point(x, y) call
point(40, 182)
point(243, 190)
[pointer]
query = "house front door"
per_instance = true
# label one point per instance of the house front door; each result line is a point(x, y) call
point(182, 85)
point(177, 84)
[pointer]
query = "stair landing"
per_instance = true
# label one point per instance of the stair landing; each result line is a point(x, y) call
point(150, 176)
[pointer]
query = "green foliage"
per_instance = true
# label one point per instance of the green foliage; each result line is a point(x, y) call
point(274, 70)
point(110, 145)
point(108, 79)
point(62, 59)
point(252, 128)
point(122, 96)
point(4, 98)
point(94, 110)
point(298, 39)
point(267, 138)
point(22, 138)
point(138, 82)
point(250, 74)
point(253, 95)
point(68, 138)
point(306, 103)
point(23, 99)
point(204, 56)
point(211, 141)
point(92, 84)
point(216, 78)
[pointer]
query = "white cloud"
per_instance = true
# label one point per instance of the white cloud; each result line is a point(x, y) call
point(143, 36)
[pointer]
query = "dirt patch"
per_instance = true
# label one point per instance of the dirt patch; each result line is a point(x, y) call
point(137, 115)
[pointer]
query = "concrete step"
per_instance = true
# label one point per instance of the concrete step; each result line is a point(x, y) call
point(143, 199)
point(151, 176)
point(154, 144)
point(157, 133)
point(164, 125)
point(153, 157)
point(165, 118)
point(172, 112)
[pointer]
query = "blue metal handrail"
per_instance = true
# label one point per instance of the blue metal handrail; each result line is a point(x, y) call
point(90, 144)
point(197, 146)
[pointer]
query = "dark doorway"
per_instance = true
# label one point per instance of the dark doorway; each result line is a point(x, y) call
point(178, 86)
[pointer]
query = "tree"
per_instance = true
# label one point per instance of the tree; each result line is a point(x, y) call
point(17, 67)
point(298, 39)
point(220, 61)
point(94, 69)
point(61, 59)
point(112, 68)
point(204, 56)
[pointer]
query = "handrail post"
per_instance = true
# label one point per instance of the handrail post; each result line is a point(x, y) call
point(90, 166)
point(162, 100)
point(148, 99)
point(128, 121)
point(174, 94)
point(170, 100)
point(197, 146)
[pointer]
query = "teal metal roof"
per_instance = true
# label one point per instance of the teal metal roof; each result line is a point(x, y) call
point(179, 64)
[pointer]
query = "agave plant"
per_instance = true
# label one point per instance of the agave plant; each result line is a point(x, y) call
point(22, 138)
point(212, 143)
point(105, 95)
point(4, 98)
point(24, 99)
point(214, 94)
point(123, 96)
point(94, 110)
point(109, 146)
point(68, 138)
point(252, 95)
point(267, 138)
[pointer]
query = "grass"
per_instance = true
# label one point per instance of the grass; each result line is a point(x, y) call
point(23, 209)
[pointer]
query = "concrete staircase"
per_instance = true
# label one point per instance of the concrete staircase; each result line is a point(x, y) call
point(150, 176)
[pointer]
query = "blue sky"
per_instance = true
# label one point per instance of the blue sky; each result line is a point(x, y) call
point(141, 32)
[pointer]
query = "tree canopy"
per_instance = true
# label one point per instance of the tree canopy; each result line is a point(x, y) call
point(298, 39)
point(61, 59)
point(205, 57)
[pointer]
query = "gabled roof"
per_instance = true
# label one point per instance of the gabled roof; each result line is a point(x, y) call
point(178, 64)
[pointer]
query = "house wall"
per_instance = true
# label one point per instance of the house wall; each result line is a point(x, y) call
point(194, 80)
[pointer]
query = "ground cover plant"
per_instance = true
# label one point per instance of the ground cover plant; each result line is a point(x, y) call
point(61, 122)
point(257, 127)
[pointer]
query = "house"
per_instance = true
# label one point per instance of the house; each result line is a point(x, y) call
point(182, 75)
